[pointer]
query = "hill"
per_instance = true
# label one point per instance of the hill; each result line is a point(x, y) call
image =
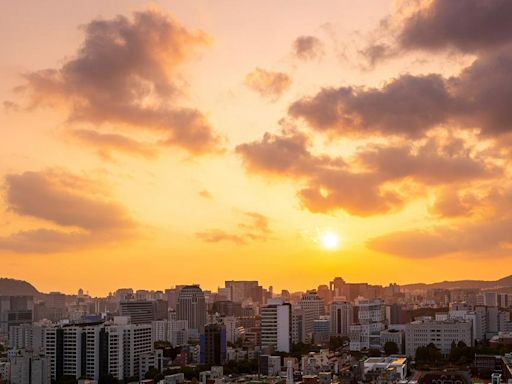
point(505, 282)
point(17, 287)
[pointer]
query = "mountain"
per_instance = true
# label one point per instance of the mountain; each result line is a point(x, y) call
point(13, 287)
point(505, 282)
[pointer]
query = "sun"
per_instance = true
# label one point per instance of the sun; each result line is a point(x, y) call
point(330, 240)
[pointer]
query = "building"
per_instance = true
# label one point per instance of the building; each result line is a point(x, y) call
point(321, 330)
point(371, 315)
point(213, 345)
point(276, 325)
point(178, 332)
point(392, 369)
point(313, 307)
point(341, 318)
point(15, 310)
point(396, 336)
point(191, 306)
point(244, 291)
point(160, 330)
point(139, 311)
point(421, 333)
point(270, 365)
point(29, 368)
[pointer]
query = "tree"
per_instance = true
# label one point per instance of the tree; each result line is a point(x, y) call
point(372, 352)
point(66, 379)
point(337, 342)
point(107, 379)
point(391, 348)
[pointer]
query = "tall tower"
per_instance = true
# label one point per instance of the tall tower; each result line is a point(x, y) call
point(191, 306)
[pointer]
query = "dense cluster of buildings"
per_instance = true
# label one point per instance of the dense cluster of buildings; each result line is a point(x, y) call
point(124, 335)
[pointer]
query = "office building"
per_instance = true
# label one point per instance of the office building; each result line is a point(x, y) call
point(213, 345)
point(421, 333)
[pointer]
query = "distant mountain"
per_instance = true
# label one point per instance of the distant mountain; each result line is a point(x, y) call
point(13, 287)
point(500, 284)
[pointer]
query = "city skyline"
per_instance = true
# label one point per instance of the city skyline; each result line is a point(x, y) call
point(149, 144)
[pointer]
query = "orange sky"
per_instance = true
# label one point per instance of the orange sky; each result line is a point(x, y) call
point(153, 144)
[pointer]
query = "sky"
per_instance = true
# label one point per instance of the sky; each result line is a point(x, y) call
point(149, 144)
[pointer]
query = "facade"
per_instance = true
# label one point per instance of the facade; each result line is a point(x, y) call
point(420, 333)
point(276, 325)
point(341, 318)
point(371, 317)
point(15, 310)
point(396, 336)
point(191, 306)
point(313, 307)
point(29, 368)
point(270, 365)
point(139, 311)
point(213, 345)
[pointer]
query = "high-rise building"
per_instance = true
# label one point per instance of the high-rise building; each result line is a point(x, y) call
point(178, 332)
point(313, 307)
point(192, 307)
point(240, 291)
point(276, 320)
point(213, 345)
point(341, 317)
point(139, 311)
point(15, 310)
point(29, 368)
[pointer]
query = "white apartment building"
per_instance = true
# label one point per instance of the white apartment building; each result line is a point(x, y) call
point(276, 325)
point(371, 316)
point(420, 333)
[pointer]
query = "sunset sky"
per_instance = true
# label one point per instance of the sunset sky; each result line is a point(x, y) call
point(148, 144)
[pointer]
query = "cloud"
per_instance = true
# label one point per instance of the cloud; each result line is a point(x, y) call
point(106, 143)
point(406, 106)
point(369, 183)
point(75, 204)
point(467, 25)
point(491, 237)
point(126, 74)
point(268, 84)
point(205, 194)
point(480, 223)
point(253, 227)
point(308, 47)
point(409, 106)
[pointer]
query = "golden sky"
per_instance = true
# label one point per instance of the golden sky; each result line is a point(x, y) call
point(153, 144)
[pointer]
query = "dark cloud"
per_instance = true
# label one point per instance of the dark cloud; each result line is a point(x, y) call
point(308, 47)
point(268, 84)
point(125, 74)
point(409, 106)
point(253, 227)
point(468, 25)
point(406, 106)
point(73, 203)
point(369, 183)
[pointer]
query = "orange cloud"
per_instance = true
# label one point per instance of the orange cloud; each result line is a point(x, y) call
point(125, 74)
point(255, 226)
point(75, 204)
point(268, 84)
point(370, 182)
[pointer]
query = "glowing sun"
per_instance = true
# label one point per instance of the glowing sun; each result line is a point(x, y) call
point(330, 240)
